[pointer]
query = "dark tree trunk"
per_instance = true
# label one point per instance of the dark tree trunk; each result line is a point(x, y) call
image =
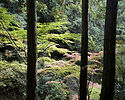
point(84, 51)
point(32, 50)
point(107, 92)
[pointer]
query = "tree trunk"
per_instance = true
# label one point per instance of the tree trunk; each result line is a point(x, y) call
point(84, 51)
point(32, 50)
point(107, 92)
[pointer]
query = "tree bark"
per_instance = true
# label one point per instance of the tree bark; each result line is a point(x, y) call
point(108, 82)
point(32, 50)
point(84, 51)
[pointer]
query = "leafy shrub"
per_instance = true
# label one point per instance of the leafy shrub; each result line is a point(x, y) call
point(120, 68)
point(50, 87)
point(12, 80)
point(58, 81)
point(95, 94)
point(52, 91)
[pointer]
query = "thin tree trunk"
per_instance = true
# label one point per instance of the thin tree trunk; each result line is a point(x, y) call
point(107, 92)
point(84, 51)
point(32, 50)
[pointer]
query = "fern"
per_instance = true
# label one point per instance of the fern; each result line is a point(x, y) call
point(6, 20)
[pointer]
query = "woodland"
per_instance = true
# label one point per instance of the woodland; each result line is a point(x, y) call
point(55, 66)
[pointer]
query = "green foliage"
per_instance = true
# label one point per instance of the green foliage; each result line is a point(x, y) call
point(6, 20)
point(14, 6)
point(95, 94)
point(67, 71)
point(46, 59)
point(49, 37)
point(73, 11)
point(7, 23)
point(55, 37)
point(121, 18)
point(58, 28)
point(46, 27)
point(56, 34)
point(20, 36)
point(42, 61)
point(120, 67)
point(60, 73)
point(50, 11)
point(12, 80)
point(50, 85)
point(11, 70)
point(120, 56)
point(52, 91)
point(96, 22)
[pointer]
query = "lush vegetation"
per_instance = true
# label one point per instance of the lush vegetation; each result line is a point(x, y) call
point(58, 41)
